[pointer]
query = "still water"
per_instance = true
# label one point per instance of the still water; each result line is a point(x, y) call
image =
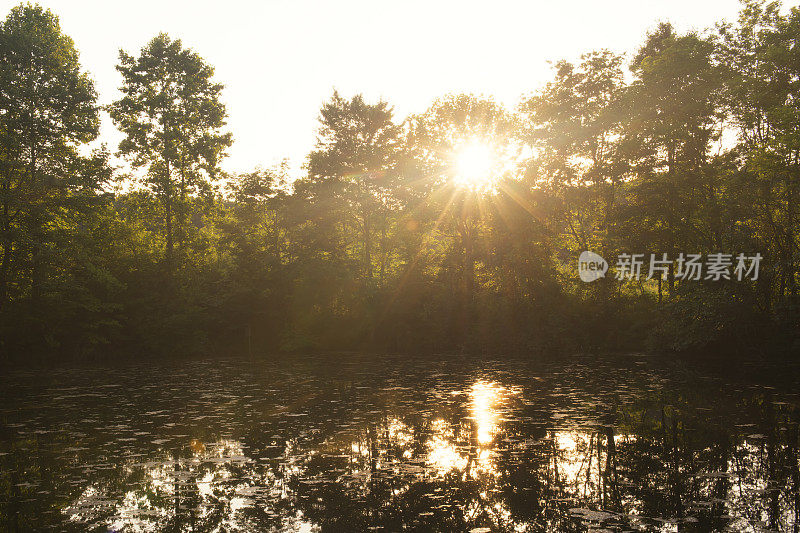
point(344, 443)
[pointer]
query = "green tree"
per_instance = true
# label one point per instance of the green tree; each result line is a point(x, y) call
point(574, 125)
point(255, 235)
point(47, 111)
point(760, 54)
point(351, 168)
point(674, 117)
point(172, 118)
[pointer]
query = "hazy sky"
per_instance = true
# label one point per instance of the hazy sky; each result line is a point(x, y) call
point(280, 59)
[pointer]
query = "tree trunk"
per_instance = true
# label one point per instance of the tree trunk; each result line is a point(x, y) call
point(8, 246)
point(660, 296)
point(367, 243)
point(384, 251)
point(35, 231)
point(469, 285)
point(790, 260)
point(170, 244)
point(168, 206)
point(36, 273)
point(181, 229)
point(5, 268)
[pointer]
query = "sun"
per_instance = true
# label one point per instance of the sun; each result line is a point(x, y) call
point(476, 165)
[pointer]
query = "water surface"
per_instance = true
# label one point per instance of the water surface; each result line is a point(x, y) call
point(345, 443)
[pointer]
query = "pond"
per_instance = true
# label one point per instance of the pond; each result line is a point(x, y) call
point(356, 443)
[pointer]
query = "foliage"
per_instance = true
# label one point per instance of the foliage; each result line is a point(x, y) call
point(691, 144)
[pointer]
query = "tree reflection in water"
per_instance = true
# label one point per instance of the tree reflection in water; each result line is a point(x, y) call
point(494, 450)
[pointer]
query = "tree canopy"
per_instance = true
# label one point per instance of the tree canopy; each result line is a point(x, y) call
point(457, 229)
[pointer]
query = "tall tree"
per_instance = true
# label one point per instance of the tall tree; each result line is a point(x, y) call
point(47, 110)
point(762, 90)
point(172, 118)
point(356, 154)
point(674, 117)
point(574, 125)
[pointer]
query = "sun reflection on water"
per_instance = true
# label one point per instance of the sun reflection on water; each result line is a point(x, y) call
point(485, 397)
point(469, 448)
point(443, 453)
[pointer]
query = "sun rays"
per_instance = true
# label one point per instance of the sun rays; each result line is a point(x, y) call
point(480, 164)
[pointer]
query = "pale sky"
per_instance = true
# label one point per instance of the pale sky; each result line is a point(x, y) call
point(281, 59)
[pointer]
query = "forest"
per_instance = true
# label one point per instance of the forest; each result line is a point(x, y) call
point(456, 230)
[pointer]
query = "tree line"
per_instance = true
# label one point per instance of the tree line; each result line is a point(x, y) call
point(690, 144)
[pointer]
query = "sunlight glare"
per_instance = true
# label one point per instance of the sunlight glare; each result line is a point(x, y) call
point(475, 165)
